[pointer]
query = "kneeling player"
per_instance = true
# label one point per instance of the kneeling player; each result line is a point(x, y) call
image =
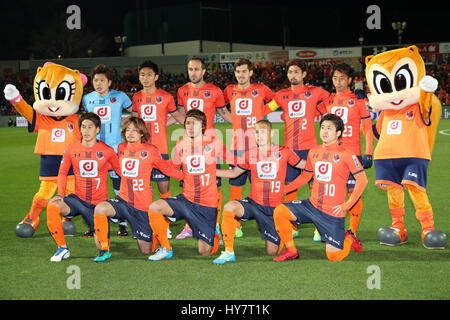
point(136, 161)
point(267, 163)
point(91, 160)
point(330, 165)
point(197, 204)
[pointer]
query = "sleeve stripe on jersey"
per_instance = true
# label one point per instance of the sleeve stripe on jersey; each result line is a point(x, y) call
point(307, 170)
point(241, 167)
point(358, 172)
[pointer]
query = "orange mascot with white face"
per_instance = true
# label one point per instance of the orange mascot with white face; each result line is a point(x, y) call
point(58, 91)
point(406, 131)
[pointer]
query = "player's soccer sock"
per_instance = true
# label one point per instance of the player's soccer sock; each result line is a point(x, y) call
point(36, 208)
point(219, 208)
point(159, 226)
point(55, 225)
point(424, 212)
point(291, 196)
point(341, 254)
point(282, 218)
point(41, 198)
point(168, 194)
point(235, 193)
point(101, 225)
point(228, 230)
point(355, 215)
point(396, 202)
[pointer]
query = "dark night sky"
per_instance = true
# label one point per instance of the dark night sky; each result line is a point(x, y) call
point(320, 24)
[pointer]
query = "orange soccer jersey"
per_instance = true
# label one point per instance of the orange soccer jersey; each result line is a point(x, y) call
point(299, 107)
point(330, 166)
point(352, 111)
point(198, 160)
point(268, 170)
point(206, 99)
point(153, 109)
point(403, 135)
point(90, 166)
point(247, 108)
point(137, 161)
point(54, 134)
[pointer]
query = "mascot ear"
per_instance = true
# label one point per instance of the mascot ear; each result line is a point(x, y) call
point(368, 58)
point(84, 79)
point(413, 49)
point(47, 63)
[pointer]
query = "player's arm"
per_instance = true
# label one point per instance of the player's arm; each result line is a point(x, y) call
point(225, 114)
point(170, 169)
point(360, 185)
point(230, 173)
point(114, 163)
point(301, 180)
point(177, 116)
point(368, 136)
point(301, 164)
point(62, 173)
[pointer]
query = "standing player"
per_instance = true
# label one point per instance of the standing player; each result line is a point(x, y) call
point(108, 104)
point(153, 105)
point(247, 102)
point(299, 104)
point(205, 97)
point(197, 154)
point(330, 164)
point(90, 160)
point(137, 158)
point(345, 104)
point(267, 163)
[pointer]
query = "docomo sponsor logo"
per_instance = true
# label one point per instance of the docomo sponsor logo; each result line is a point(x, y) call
point(104, 112)
point(244, 107)
point(130, 167)
point(148, 112)
point(266, 169)
point(195, 104)
point(296, 108)
point(341, 112)
point(323, 171)
point(195, 164)
point(58, 135)
point(88, 168)
point(394, 127)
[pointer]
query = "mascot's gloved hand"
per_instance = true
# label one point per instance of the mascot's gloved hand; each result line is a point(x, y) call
point(11, 92)
point(428, 84)
point(367, 161)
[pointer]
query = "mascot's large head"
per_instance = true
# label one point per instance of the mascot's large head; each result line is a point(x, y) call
point(393, 78)
point(58, 90)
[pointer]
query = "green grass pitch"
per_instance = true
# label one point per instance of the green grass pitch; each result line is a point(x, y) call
point(406, 272)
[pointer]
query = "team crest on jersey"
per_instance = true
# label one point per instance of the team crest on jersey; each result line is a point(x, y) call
point(277, 155)
point(307, 94)
point(409, 114)
point(100, 155)
point(254, 93)
point(70, 126)
point(158, 99)
point(113, 99)
point(206, 94)
point(144, 154)
point(336, 157)
point(351, 102)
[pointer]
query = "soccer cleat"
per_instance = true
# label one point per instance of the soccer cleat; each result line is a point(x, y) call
point(317, 237)
point(123, 231)
point(239, 233)
point(185, 233)
point(391, 236)
point(225, 257)
point(89, 234)
point(61, 254)
point(286, 255)
point(356, 244)
point(161, 254)
point(103, 256)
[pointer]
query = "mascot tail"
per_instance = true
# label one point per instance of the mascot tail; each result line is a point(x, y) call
point(431, 110)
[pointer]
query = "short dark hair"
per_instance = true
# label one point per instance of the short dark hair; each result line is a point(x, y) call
point(197, 114)
point(92, 117)
point(149, 64)
point(102, 69)
point(241, 61)
point(139, 124)
point(198, 59)
point(343, 68)
point(296, 62)
point(337, 121)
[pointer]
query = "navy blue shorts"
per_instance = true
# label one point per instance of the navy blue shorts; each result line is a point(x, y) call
point(292, 172)
point(402, 171)
point(242, 179)
point(331, 229)
point(263, 216)
point(157, 175)
point(80, 207)
point(138, 219)
point(49, 166)
point(201, 219)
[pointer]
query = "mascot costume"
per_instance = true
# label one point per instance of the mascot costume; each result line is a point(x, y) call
point(58, 91)
point(406, 131)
